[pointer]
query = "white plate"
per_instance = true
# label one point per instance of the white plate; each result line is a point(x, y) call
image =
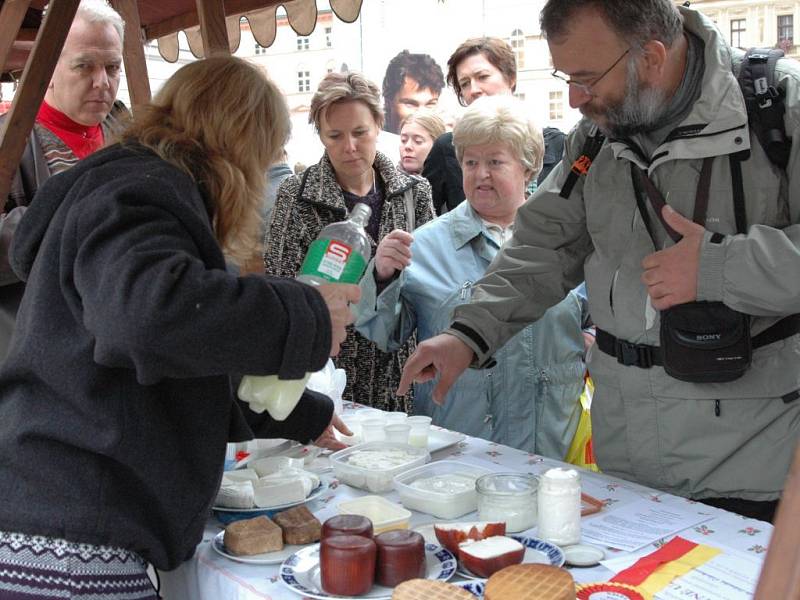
point(583, 555)
point(536, 551)
point(268, 558)
point(301, 573)
point(324, 483)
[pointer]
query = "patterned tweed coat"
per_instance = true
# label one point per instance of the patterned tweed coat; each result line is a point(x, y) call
point(305, 205)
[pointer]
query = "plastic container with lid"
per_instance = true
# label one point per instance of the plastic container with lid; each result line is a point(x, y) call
point(444, 489)
point(373, 465)
point(509, 497)
point(384, 515)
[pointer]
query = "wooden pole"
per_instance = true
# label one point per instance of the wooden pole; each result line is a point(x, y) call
point(11, 16)
point(211, 14)
point(133, 53)
point(35, 79)
point(780, 575)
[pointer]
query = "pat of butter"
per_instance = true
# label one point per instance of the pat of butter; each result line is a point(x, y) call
point(278, 491)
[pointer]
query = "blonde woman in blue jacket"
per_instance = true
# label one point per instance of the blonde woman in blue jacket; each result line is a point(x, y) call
point(528, 399)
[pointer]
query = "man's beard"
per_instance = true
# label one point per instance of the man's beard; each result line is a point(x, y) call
point(638, 111)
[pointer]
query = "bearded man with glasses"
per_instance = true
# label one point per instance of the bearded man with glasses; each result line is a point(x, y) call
point(659, 82)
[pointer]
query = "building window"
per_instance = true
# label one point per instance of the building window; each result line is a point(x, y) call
point(329, 37)
point(330, 67)
point(520, 96)
point(556, 106)
point(260, 49)
point(303, 80)
point(302, 43)
point(518, 45)
point(737, 33)
point(786, 30)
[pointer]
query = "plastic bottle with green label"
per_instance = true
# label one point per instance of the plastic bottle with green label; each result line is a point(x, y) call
point(339, 255)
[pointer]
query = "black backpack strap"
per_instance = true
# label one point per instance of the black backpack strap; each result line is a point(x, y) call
point(591, 147)
point(765, 103)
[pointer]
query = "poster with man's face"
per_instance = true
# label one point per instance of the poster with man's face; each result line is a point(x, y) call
point(412, 81)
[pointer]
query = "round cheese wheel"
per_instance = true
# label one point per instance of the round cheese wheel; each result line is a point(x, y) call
point(347, 564)
point(347, 525)
point(401, 556)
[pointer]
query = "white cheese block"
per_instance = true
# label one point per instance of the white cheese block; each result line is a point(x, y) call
point(235, 494)
point(309, 479)
point(274, 464)
point(271, 492)
point(241, 475)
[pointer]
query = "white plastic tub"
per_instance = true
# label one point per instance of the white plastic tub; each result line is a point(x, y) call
point(378, 463)
point(444, 488)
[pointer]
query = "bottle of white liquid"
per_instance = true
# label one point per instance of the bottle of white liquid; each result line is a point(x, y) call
point(339, 255)
point(560, 507)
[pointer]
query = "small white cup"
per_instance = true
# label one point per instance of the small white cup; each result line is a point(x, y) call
point(372, 430)
point(367, 414)
point(420, 426)
point(354, 425)
point(397, 432)
point(396, 417)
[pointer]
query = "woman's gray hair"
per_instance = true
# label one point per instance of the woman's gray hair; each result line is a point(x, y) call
point(345, 87)
point(99, 11)
point(504, 119)
point(635, 22)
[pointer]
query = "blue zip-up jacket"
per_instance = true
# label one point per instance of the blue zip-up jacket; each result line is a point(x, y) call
point(529, 398)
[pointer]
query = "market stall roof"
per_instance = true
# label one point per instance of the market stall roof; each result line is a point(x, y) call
point(161, 20)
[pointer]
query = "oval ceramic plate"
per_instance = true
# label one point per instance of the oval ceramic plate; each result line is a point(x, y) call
point(536, 551)
point(268, 558)
point(474, 587)
point(301, 573)
point(254, 512)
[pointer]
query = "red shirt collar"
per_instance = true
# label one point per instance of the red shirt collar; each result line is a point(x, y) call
point(81, 139)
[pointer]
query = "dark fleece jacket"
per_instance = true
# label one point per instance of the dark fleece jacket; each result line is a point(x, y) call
point(116, 399)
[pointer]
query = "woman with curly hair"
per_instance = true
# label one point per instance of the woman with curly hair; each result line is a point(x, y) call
point(118, 383)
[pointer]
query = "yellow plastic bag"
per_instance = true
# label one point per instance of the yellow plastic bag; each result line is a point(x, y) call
point(580, 451)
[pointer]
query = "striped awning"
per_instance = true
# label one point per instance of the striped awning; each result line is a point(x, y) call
point(301, 14)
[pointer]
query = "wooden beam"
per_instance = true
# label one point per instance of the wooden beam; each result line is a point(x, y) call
point(133, 53)
point(780, 575)
point(33, 85)
point(211, 14)
point(26, 34)
point(11, 16)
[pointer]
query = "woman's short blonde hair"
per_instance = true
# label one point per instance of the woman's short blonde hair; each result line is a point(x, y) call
point(427, 119)
point(222, 121)
point(504, 119)
point(345, 87)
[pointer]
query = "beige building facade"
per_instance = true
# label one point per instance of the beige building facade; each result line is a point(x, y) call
point(761, 23)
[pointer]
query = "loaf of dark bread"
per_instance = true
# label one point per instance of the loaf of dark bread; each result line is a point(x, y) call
point(299, 525)
point(253, 536)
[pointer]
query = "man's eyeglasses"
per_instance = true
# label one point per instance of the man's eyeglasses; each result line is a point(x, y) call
point(586, 88)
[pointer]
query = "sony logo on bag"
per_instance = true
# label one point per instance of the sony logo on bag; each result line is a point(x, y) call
point(707, 336)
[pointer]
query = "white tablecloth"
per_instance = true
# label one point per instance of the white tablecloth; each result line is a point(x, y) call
point(210, 576)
